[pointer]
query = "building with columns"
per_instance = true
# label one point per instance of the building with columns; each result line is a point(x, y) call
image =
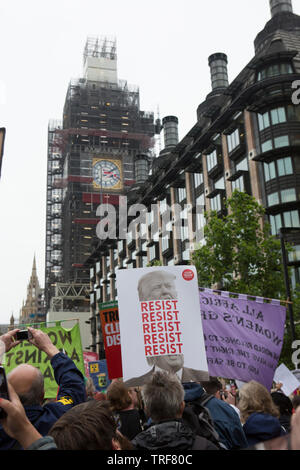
point(246, 137)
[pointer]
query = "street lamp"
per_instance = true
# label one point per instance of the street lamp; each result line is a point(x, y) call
point(285, 231)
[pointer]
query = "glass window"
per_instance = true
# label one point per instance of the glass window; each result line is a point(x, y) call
point(295, 254)
point(220, 183)
point(285, 166)
point(181, 194)
point(276, 224)
point(215, 203)
point(211, 160)
point(274, 70)
point(242, 165)
point(282, 141)
point(198, 179)
point(293, 112)
point(270, 171)
point(278, 115)
point(263, 121)
point(265, 146)
point(288, 195)
point(273, 199)
point(238, 184)
point(233, 140)
point(291, 219)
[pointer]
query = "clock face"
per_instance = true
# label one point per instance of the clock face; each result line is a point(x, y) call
point(106, 174)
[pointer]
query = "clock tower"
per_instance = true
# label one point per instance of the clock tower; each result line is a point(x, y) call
point(91, 159)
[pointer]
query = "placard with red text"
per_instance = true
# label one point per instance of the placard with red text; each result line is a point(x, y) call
point(159, 314)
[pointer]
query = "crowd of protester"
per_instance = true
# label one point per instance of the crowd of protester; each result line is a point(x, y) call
point(163, 414)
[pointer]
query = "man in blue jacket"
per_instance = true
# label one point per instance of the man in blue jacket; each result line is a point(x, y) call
point(28, 383)
point(226, 420)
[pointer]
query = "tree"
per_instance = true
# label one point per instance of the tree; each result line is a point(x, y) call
point(240, 255)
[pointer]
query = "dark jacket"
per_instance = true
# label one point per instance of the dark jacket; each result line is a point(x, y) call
point(71, 393)
point(226, 420)
point(129, 423)
point(171, 435)
point(188, 375)
point(261, 427)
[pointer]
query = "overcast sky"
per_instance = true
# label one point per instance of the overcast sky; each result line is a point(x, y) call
point(162, 46)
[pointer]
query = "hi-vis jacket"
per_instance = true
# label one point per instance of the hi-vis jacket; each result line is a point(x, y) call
point(71, 392)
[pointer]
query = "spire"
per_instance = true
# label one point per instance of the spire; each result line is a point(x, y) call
point(34, 265)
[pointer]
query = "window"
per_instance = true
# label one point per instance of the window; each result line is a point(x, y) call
point(184, 230)
point(278, 115)
point(273, 199)
point(275, 221)
point(200, 219)
point(270, 171)
point(163, 206)
point(181, 194)
point(212, 160)
point(288, 195)
point(282, 141)
point(198, 179)
point(238, 184)
point(285, 195)
point(291, 219)
point(165, 242)
point(266, 146)
point(285, 166)
point(263, 121)
point(215, 203)
point(274, 70)
point(293, 112)
point(286, 219)
point(295, 254)
point(220, 183)
point(233, 140)
point(242, 165)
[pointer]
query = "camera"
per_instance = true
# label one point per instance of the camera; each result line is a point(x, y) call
point(3, 390)
point(23, 335)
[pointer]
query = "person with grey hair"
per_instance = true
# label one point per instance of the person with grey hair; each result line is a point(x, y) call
point(164, 404)
point(28, 383)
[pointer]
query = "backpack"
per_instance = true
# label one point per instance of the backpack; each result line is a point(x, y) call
point(199, 419)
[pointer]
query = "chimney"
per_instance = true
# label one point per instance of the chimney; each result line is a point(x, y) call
point(279, 6)
point(218, 71)
point(170, 126)
point(141, 168)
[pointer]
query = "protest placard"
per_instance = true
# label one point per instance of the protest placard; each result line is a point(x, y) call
point(289, 382)
point(99, 374)
point(160, 323)
point(109, 316)
point(89, 356)
point(243, 337)
point(66, 340)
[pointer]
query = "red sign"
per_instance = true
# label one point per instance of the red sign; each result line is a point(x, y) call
point(109, 316)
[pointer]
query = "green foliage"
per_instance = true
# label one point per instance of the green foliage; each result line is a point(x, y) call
point(155, 262)
point(240, 255)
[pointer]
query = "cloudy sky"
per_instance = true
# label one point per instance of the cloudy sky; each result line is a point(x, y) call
point(162, 46)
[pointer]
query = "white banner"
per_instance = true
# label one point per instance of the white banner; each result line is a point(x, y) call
point(160, 323)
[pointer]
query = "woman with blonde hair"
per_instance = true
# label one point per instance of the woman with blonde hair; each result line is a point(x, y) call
point(259, 414)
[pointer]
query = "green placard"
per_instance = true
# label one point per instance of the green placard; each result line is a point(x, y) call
point(67, 340)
